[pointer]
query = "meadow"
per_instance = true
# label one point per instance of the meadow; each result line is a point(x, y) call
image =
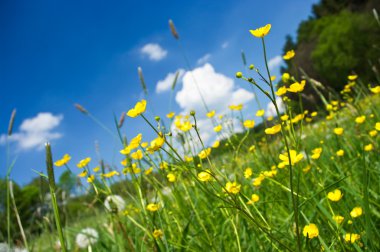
point(302, 180)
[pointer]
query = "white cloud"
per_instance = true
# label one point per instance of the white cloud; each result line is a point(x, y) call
point(225, 45)
point(271, 110)
point(218, 90)
point(166, 84)
point(274, 62)
point(154, 51)
point(204, 59)
point(34, 132)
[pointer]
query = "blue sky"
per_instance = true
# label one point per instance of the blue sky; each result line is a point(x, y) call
point(57, 53)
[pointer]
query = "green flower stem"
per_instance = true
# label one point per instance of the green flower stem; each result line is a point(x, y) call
point(294, 200)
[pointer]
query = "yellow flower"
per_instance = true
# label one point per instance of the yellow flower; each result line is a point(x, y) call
point(232, 187)
point(171, 177)
point(248, 173)
point(273, 78)
point(138, 109)
point(316, 153)
point(373, 133)
point(84, 162)
point(285, 77)
point(368, 147)
point(297, 87)
point(314, 114)
point(218, 128)
point(254, 199)
point(338, 131)
point(338, 219)
point(110, 174)
point(377, 126)
point(289, 55)
point(249, 124)
point(351, 237)
point(360, 119)
point(126, 150)
point(252, 148)
point(211, 114)
point(215, 144)
point(340, 153)
point(91, 179)
point(65, 159)
point(284, 117)
point(352, 77)
point(273, 130)
point(281, 91)
point(96, 169)
point(138, 155)
point(261, 32)
point(135, 142)
point(82, 174)
point(156, 144)
point(186, 126)
point(294, 157)
point(144, 144)
point(148, 171)
point(375, 90)
point(257, 181)
point(135, 169)
point(170, 115)
point(152, 207)
point(204, 153)
point(260, 112)
point(335, 195)
point(157, 233)
point(306, 169)
point(205, 176)
point(236, 107)
point(270, 118)
point(311, 231)
point(164, 165)
point(356, 212)
point(188, 159)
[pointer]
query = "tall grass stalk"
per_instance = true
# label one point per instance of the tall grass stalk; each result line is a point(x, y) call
point(52, 187)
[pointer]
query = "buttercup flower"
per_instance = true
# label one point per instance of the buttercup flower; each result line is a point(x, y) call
point(215, 144)
point(368, 147)
point(157, 233)
point(340, 153)
point(338, 219)
point(281, 91)
point(211, 114)
point(205, 176)
point(311, 231)
point(249, 124)
point(84, 162)
point(152, 207)
point(260, 112)
point(360, 119)
point(261, 32)
point(297, 87)
point(316, 153)
point(338, 131)
point(138, 155)
point(289, 55)
point(375, 90)
point(335, 195)
point(170, 115)
point(138, 109)
point(294, 157)
point(356, 212)
point(218, 128)
point(351, 237)
point(254, 199)
point(273, 130)
point(248, 173)
point(65, 159)
point(171, 177)
point(232, 187)
point(352, 77)
point(204, 153)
